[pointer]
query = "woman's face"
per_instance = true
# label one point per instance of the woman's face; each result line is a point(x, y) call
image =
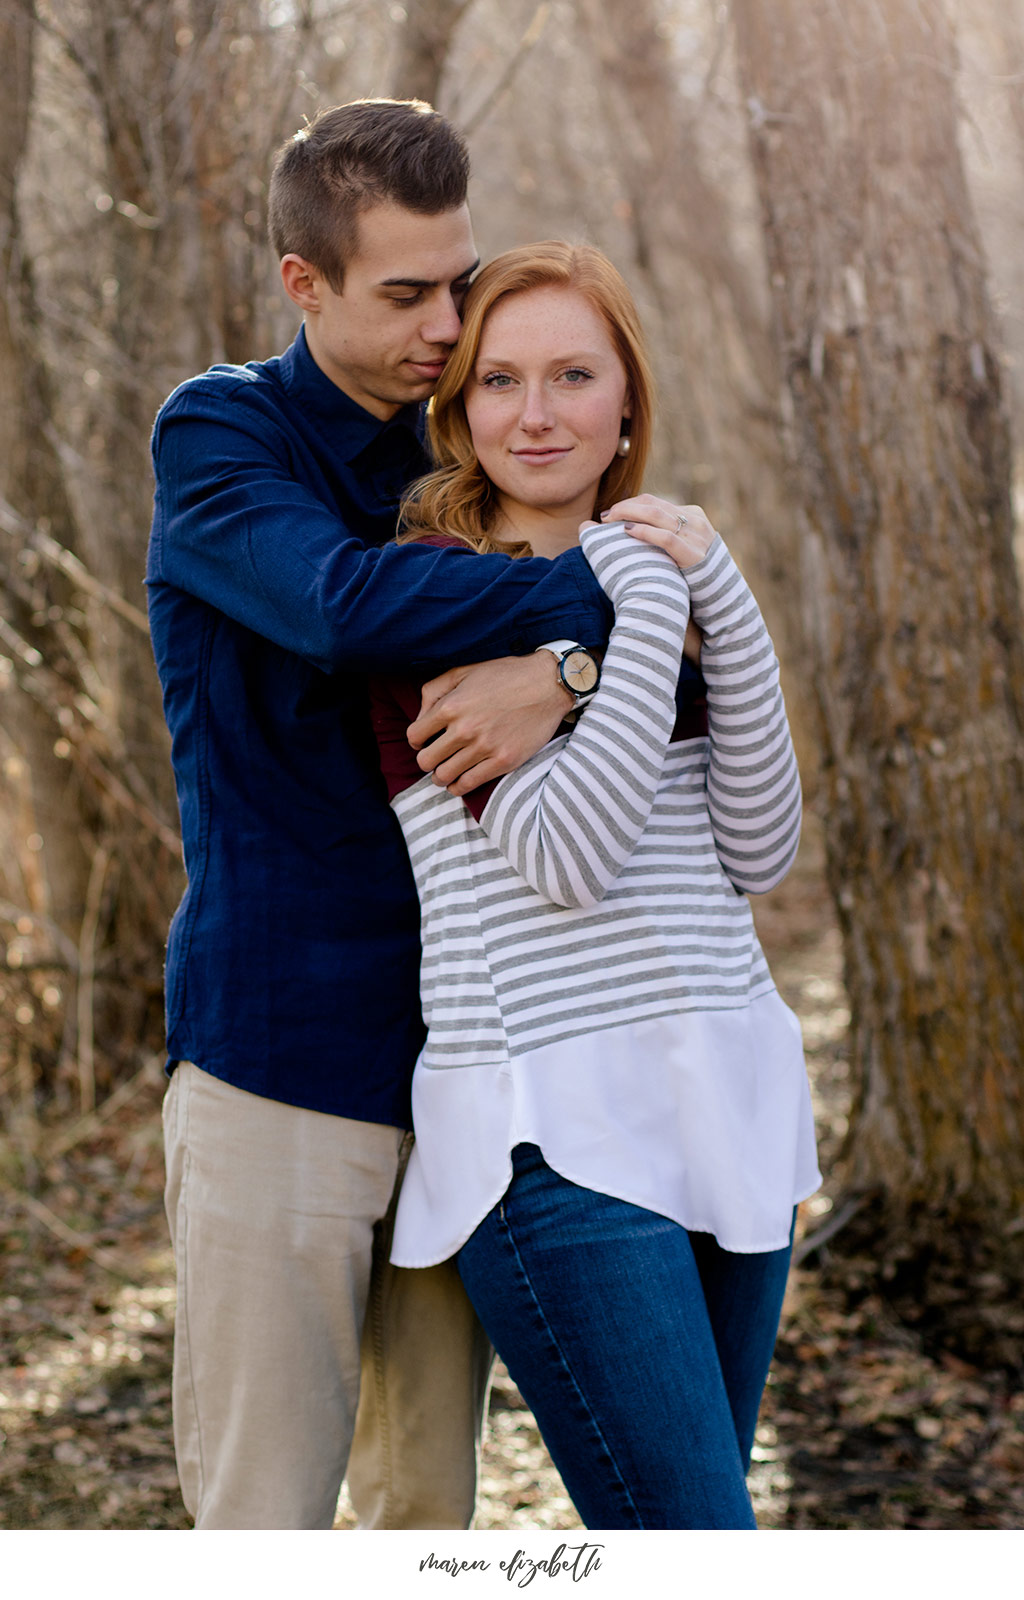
point(545, 400)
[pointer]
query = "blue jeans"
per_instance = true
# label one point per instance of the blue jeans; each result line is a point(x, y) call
point(641, 1349)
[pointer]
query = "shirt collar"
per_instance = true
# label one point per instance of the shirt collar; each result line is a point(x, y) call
point(331, 410)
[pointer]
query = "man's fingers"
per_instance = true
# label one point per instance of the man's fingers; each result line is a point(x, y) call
point(454, 764)
point(487, 719)
point(427, 725)
point(438, 751)
point(464, 771)
point(436, 688)
point(434, 716)
point(476, 777)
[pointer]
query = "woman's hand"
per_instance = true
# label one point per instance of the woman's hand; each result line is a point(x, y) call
point(683, 532)
point(660, 523)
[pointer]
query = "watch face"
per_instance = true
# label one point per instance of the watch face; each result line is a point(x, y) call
point(580, 671)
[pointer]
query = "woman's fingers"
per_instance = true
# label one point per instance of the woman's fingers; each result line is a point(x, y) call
point(684, 551)
point(652, 509)
point(683, 532)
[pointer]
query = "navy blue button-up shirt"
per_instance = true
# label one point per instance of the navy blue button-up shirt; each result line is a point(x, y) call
point(292, 961)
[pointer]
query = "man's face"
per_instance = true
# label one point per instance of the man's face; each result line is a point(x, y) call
point(385, 339)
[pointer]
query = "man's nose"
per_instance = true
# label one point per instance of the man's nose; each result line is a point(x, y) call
point(443, 324)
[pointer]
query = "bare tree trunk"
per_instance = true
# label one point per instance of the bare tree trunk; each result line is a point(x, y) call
point(900, 451)
point(1005, 20)
point(704, 302)
point(42, 866)
point(721, 443)
point(183, 105)
point(424, 41)
point(52, 819)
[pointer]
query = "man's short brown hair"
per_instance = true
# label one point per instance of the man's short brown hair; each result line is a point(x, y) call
point(351, 158)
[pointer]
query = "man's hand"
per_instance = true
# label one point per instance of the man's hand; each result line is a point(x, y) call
point(478, 723)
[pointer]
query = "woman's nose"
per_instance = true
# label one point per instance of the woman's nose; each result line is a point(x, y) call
point(536, 413)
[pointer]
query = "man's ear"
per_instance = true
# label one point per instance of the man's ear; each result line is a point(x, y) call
point(301, 282)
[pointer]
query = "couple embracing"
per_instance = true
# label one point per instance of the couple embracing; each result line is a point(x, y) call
point(567, 692)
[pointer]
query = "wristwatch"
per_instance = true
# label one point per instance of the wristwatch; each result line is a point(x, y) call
point(578, 670)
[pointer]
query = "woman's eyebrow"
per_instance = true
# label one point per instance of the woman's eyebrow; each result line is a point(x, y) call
point(569, 356)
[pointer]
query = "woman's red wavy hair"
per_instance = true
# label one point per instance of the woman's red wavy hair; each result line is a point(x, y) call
point(457, 498)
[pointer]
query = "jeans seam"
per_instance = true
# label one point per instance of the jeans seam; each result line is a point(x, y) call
point(567, 1366)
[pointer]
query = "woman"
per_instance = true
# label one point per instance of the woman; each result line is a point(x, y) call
point(611, 1110)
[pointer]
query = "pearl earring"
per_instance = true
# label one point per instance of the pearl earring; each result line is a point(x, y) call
point(622, 448)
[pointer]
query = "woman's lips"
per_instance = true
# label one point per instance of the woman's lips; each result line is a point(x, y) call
point(539, 456)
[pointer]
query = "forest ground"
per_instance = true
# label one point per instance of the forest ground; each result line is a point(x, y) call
point(870, 1420)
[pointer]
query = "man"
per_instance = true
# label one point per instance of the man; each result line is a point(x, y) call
point(292, 962)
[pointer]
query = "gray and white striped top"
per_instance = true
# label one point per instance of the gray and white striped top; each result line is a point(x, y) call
point(591, 978)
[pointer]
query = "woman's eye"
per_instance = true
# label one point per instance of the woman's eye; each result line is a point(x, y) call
point(577, 374)
point(496, 380)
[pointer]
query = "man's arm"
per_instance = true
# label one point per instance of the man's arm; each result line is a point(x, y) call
point(234, 527)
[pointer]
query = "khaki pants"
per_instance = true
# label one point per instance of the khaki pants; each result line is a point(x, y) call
point(281, 1223)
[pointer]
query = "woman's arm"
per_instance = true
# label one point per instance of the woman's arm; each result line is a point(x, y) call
point(753, 783)
point(569, 819)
